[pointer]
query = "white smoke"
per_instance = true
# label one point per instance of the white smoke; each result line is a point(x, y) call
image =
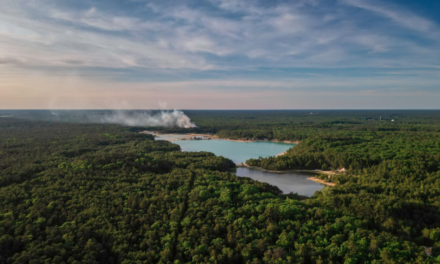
point(175, 118)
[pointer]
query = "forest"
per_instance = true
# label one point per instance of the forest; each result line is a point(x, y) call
point(94, 193)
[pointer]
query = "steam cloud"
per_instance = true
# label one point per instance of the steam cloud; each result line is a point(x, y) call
point(175, 118)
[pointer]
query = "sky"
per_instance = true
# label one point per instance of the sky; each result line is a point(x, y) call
point(219, 54)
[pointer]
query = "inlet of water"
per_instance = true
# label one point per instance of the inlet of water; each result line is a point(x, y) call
point(289, 182)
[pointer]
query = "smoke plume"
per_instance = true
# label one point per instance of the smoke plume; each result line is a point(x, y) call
point(175, 118)
point(162, 118)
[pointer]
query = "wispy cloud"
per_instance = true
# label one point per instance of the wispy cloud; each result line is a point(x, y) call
point(401, 16)
point(182, 36)
point(96, 19)
point(235, 44)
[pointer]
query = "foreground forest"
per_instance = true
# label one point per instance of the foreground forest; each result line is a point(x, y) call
point(85, 193)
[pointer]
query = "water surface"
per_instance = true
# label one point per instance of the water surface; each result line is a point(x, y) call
point(295, 182)
point(238, 152)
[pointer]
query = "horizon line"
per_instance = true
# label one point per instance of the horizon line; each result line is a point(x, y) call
point(178, 109)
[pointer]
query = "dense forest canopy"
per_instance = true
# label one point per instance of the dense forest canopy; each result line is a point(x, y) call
point(87, 193)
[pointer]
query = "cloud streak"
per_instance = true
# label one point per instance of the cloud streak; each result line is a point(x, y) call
point(402, 17)
point(217, 44)
point(180, 37)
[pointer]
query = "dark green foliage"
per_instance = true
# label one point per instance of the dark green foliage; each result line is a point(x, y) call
point(75, 193)
point(302, 124)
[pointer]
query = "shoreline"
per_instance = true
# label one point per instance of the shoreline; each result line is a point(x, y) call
point(181, 136)
point(281, 154)
point(244, 165)
point(321, 181)
point(213, 137)
point(259, 140)
point(285, 171)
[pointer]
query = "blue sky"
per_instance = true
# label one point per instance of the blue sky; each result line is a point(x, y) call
point(220, 54)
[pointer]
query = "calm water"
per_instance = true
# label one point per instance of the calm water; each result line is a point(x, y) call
point(242, 151)
point(295, 182)
point(238, 152)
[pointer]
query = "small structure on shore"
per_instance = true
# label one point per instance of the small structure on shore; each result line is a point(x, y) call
point(428, 251)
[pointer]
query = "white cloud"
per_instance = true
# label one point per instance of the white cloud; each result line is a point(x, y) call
point(41, 43)
point(377, 43)
point(94, 18)
point(404, 18)
point(176, 36)
point(229, 42)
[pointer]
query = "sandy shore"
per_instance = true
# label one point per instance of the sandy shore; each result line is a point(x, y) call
point(210, 136)
point(321, 181)
point(285, 171)
point(281, 154)
point(180, 136)
point(258, 140)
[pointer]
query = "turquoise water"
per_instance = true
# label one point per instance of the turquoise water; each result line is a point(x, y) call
point(238, 152)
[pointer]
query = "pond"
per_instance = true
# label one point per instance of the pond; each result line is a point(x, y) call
point(238, 152)
point(295, 182)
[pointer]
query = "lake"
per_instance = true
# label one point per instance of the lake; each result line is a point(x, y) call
point(238, 152)
point(295, 182)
